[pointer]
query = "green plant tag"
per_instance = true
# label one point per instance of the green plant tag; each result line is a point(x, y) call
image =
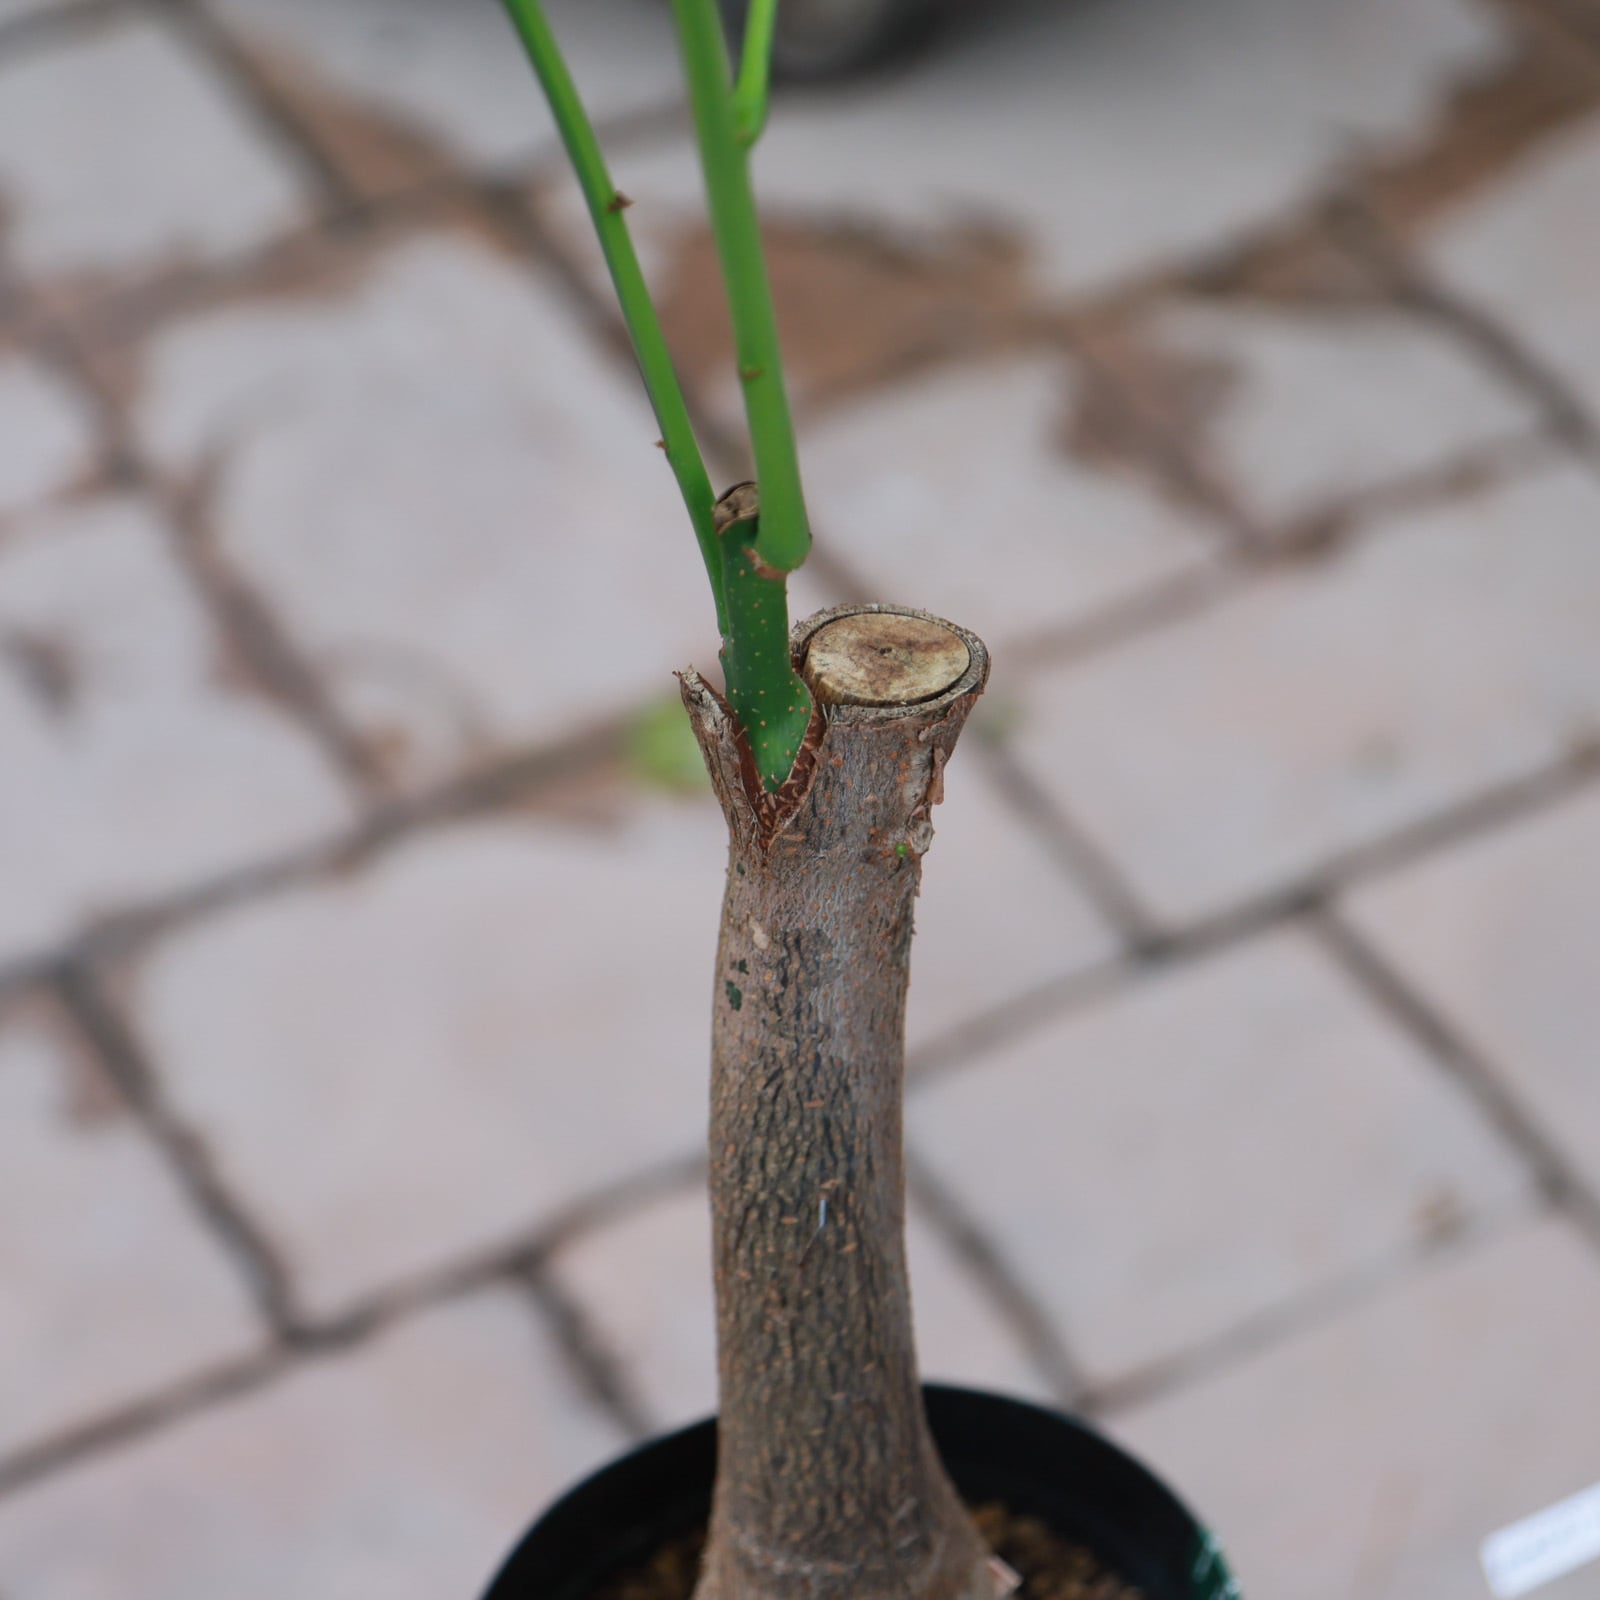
point(1211, 1578)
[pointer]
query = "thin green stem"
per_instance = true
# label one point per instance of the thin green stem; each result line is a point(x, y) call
point(784, 535)
point(747, 552)
point(606, 206)
point(752, 92)
point(768, 696)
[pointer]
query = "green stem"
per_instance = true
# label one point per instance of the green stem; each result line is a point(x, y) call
point(606, 206)
point(768, 697)
point(784, 535)
point(751, 94)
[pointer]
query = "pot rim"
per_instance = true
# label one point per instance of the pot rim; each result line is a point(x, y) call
point(1052, 1466)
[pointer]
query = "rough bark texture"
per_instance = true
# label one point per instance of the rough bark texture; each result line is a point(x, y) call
point(828, 1486)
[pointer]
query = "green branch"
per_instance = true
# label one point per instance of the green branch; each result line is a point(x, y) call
point(749, 548)
point(784, 535)
point(606, 205)
point(750, 95)
point(768, 696)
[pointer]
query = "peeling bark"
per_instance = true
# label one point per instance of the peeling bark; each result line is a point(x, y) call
point(828, 1484)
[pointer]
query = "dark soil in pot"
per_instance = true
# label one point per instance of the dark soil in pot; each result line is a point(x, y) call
point(1053, 1493)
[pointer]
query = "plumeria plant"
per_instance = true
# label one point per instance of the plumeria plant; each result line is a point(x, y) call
point(827, 747)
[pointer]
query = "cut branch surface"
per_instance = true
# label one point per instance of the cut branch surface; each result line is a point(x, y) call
point(880, 659)
point(829, 1486)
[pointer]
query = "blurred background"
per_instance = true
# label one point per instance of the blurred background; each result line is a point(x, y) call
point(1232, 366)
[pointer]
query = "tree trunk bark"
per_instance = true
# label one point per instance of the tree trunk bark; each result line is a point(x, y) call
point(828, 1483)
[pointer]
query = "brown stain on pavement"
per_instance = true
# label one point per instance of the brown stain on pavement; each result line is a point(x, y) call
point(862, 305)
point(1140, 392)
point(859, 303)
point(1548, 81)
point(1490, 124)
point(1344, 250)
point(371, 149)
point(47, 668)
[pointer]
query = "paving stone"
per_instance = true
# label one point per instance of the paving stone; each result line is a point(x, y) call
point(453, 502)
point(119, 154)
point(997, 916)
point(13, 10)
point(1501, 934)
point(396, 88)
point(644, 1282)
point(1521, 251)
point(405, 1467)
point(1372, 1454)
point(1110, 136)
point(1323, 707)
point(1315, 408)
point(1205, 1149)
point(133, 766)
point(956, 494)
point(48, 431)
point(113, 1288)
point(448, 1046)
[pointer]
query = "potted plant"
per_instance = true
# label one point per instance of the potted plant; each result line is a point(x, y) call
point(829, 1473)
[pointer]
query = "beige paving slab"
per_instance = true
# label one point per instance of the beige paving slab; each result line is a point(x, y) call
point(1312, 407)
point(1500, 935)
point(429, 1056)
point(956, 493)
point(1106, 137)
point(47, 429)
point(120, 153)
point(13, 10)
point(136, 762)
point(996, 915)
point(113, 1287)
point(405, 1468)
point(1522, 252)
point(398, 88)
point(1372, 1454)
point(450, 497)
point(1331, 704)
point(644, 1283)
point(1211, 1146)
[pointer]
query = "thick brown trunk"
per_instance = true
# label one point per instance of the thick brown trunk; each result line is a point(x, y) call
point(828, 1484)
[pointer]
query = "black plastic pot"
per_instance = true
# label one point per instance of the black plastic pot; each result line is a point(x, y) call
point(1034, 1461)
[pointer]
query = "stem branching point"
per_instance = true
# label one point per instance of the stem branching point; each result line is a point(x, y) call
point(785, 535)
point(746, 557)
point(752, 92)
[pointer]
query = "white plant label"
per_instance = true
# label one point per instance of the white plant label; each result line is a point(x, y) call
point(1541, 1548)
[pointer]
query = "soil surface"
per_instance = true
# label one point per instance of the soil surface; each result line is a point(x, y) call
point(1052, 1568)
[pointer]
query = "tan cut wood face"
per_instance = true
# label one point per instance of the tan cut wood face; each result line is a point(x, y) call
point(884, 659)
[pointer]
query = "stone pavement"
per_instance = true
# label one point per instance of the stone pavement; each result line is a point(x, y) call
point(1232, 365)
